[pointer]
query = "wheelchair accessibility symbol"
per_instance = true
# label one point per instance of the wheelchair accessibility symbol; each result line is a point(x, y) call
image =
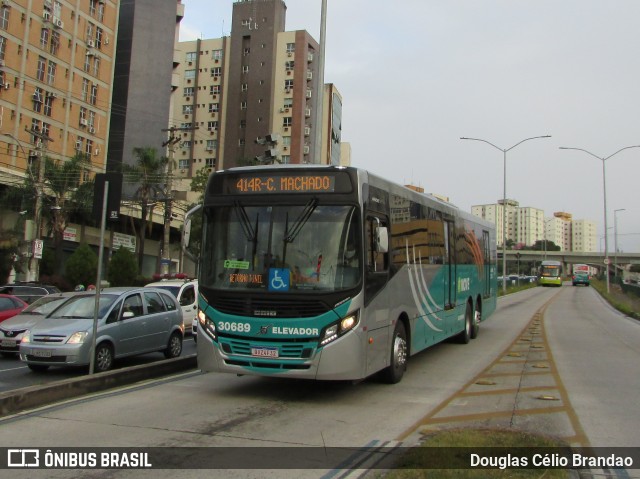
point(279, 279)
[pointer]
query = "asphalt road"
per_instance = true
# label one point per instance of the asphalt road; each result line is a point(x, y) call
point(596, 355)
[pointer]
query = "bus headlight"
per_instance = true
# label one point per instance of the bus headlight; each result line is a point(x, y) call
point(334, 331)
point(207, 325)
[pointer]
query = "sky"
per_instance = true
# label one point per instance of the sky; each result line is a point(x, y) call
point(416, 75)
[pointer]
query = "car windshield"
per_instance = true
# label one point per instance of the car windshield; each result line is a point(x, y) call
point(45, 305)
point(83, 307)
point(288, 248)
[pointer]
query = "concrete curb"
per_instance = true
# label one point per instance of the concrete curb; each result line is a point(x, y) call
point(19, 400)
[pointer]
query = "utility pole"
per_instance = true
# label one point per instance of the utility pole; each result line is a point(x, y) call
point(41, 141)
point(168, 202)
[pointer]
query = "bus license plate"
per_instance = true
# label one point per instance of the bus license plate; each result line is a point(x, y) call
point(265, 352)
point(42, 354)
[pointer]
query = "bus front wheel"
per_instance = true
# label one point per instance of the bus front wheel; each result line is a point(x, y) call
point(399, 350)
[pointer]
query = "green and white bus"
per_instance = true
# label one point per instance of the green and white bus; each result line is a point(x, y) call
point(550, 273)
point(332, 273)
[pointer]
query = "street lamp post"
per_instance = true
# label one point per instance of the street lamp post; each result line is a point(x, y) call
point(604, 195)
point(504, 201)
point(615, 240)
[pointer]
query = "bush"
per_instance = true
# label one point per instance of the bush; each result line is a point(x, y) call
point(123, 268)
point(82, 266)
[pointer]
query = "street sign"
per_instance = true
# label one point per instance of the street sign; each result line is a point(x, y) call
point(37, 248)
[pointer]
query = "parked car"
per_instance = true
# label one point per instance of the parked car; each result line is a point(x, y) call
point(581, 277)
point(10, 306)
point(131, 321)
point(28, 292)
point(186, 292)
point(12, 329)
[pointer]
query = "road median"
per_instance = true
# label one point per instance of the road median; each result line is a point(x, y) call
point(18, 400)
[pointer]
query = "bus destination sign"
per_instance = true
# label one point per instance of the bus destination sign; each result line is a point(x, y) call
point(279, 183)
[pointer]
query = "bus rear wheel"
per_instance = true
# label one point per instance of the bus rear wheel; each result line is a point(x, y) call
point(398, 364)
point(465, 335)
point(475, 326)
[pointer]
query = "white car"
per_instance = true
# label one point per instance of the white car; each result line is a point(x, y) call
point(186, 292)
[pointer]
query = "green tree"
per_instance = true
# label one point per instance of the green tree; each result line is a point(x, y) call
point(63, 195)
point(82, 266)
point(123, 269)
point(149, 174)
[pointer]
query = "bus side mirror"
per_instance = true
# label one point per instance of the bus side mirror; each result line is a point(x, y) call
point(382, 239)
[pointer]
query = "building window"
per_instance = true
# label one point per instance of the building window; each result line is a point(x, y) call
point(210, 162)
point(217, 54)
point(44, 38)
point(96, 66)
point(186, 125)
point(48, 103)
point(287, 121)
point(291, 47)
point(214, 107)
point(244, 87)
point(212, 125)
point(285, 159)
point(88, 147)
point(241, 142)
point(187, 109)
point(192, 56)
point(51, 73)
point(189, 74)
point(37, 100)
point(185, 145)
point(288, 66)
point(245, 68)
point(85, 89)
point(188, 91)
point(99, 35)
point(183, 164)
point(215, 89)
point(288, 84)
point(288, 102)
point(4, 18)
point(216, 72)
point(94, 94)
point(243, 105)
point(243, 124)
point(212, 145)
point(42, 67)
point(55, 43)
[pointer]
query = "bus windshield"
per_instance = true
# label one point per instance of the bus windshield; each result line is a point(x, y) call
point(280, 249)
point(552, 271)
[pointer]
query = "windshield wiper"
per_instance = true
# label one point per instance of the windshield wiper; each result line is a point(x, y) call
point(249, 232)
point(302, 219)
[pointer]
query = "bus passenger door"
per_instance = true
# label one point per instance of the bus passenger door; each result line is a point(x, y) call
point(377, 298)
point(450, 272)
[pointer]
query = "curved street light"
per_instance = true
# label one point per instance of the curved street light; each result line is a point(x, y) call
point(504, 200)
point(604, 195)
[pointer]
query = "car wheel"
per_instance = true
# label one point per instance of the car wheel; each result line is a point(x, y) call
point(174, 348)
point(104, 357)
point(399, 351)
point(38, 368)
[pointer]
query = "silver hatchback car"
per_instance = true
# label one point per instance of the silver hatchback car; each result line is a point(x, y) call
point(130, 321)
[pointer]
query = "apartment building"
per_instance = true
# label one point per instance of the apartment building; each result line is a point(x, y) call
point(258, 84)
point(583, 236)
point(56, 70)
point(527, 225)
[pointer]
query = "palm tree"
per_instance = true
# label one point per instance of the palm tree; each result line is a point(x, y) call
point(149, 174)
point(63, 195)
